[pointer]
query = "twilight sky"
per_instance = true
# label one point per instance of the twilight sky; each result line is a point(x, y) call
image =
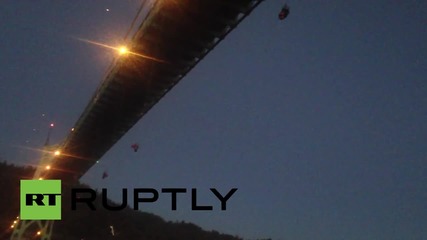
point(320, 120)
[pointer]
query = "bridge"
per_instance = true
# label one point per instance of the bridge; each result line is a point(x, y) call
point(175, 35)
point(178, 34)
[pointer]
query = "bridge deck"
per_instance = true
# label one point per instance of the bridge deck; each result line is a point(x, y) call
point(180, 33)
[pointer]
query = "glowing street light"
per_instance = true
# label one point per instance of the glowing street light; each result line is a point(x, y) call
point(123, 50)
point(57, 153)
point(48, 167)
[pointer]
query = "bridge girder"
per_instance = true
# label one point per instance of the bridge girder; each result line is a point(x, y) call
point(180, 33)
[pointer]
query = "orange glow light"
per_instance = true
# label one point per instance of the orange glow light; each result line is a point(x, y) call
point(121, 50)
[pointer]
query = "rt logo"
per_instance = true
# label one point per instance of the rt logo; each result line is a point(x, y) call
point(40, 200)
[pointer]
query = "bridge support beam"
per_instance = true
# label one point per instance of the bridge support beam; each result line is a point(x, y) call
point(39, 229)
point(28, 229)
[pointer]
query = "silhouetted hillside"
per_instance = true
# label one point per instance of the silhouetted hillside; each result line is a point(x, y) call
point(86, 224)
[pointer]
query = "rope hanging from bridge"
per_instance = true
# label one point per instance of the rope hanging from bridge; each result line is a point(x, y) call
point(135, 18)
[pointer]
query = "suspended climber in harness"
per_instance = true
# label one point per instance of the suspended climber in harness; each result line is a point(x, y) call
point(135, 147)
point(284, 12)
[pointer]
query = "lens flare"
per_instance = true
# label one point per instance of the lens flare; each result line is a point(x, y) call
point(122, 50)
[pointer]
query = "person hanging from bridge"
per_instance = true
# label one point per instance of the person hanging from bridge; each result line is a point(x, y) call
point(135, 147)
point(104, 175)
point(284, 12)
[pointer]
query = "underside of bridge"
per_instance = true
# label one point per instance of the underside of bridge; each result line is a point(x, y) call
point(179, 33)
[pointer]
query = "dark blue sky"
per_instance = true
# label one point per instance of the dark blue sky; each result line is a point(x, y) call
point(319, 120)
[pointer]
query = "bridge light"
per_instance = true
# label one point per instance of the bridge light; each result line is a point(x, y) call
point(39, 232)
point(47, 167)
point(57, 153)
point(123, 50)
